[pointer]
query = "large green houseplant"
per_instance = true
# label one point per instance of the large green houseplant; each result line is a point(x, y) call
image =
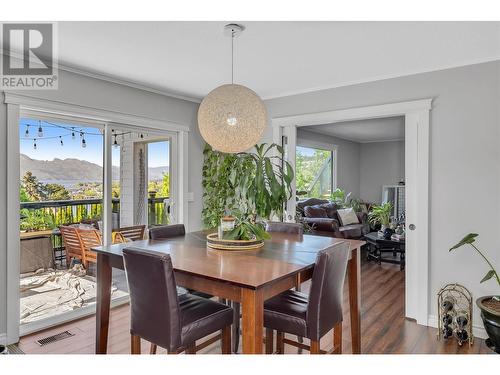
point(249, 185)
point(489, 305)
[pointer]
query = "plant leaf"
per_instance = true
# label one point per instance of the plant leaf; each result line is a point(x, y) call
point(468, 239)
point(488, 276)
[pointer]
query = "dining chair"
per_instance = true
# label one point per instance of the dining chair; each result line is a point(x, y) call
point(72, 244)
point(132, 233)
point(162, 232)
point(165, 232)
point(89, 238)
point(278, 226)
point(313, 315)
point(165, 319)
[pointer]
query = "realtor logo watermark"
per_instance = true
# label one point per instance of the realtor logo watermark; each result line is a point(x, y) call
point(29, 56)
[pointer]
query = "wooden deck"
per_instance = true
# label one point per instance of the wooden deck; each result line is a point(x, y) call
point(384, 328)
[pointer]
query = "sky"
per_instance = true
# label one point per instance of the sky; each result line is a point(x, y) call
point(49, 146)
point(306, 151)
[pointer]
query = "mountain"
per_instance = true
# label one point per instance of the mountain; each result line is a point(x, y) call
point(156, 173)
point(66, 170)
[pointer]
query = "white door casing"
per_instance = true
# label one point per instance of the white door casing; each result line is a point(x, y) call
point(417, 120)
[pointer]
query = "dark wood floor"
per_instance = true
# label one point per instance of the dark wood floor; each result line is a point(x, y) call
point(384, 328)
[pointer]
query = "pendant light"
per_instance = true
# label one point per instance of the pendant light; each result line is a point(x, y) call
point(232, 118)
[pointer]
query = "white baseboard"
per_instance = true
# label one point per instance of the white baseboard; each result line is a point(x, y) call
point(3, 338)
point(477, 329)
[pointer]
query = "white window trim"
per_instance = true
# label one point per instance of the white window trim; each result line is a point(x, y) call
point(18, 104)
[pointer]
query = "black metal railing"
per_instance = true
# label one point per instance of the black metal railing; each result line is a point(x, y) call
point(64, 212)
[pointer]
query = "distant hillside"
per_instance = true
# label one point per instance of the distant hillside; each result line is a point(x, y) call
point(60, 170)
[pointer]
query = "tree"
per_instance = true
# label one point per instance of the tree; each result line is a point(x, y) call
point(32, 187)
point(55, 192)
point(162, 187)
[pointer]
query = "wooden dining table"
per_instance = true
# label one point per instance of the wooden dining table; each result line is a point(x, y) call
point(249, 277)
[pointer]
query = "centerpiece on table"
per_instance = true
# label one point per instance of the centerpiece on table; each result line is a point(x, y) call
point(244, 235)
point(252, 186)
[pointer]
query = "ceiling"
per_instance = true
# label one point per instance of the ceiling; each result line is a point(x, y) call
point(364, 131)
point(273, 58)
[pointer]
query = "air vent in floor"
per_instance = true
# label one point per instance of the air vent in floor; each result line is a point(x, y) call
point(54, 338)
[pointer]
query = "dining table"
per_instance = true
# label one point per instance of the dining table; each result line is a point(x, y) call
point(249, 277)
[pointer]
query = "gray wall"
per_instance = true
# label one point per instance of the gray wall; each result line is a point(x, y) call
point(380, 163)
point(85, 91)
point(464, 159)
point(347, 157)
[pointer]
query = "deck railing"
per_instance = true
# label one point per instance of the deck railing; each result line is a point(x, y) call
point(90, 210)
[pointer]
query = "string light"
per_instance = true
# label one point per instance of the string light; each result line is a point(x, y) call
point(40, 130)
point(71, 131)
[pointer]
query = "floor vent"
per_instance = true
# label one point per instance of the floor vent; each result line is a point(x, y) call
point(54, 338)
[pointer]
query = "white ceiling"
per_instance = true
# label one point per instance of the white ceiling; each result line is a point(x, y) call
point(364, 131)
point(273, 58)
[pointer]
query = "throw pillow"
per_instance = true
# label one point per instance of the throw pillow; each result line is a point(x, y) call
point(347, 216)
point(315, 211)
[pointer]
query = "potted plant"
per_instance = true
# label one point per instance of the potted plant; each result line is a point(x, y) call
point(381, 215)
point(255, 184)
point(245, 229)
point(489, 305)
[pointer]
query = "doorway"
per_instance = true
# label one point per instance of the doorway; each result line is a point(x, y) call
point(416, 116)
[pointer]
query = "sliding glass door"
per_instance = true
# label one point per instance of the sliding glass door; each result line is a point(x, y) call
point(82, 184)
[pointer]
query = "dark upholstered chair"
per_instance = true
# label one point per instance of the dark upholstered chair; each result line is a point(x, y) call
point(278, 226)
point(160, 316)
point(166, 231)
point(314, 315)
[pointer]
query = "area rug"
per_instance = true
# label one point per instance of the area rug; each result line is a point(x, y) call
point(47, 292)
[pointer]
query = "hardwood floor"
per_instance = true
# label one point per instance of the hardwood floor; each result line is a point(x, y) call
point(384, 328)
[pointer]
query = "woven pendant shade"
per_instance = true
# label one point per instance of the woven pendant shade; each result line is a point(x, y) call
point(232, 118)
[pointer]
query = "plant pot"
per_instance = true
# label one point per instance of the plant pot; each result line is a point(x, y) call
point(491, 320)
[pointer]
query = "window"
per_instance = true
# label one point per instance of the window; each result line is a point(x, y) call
point(314, 172)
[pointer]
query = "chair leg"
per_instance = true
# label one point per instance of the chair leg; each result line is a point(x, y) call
point(135, 344)
point(191, 348)
point(152, 349)
point(315, 347)
point(280, 345)
point(269, 341)
point(226, 340)
point(337, 338)
point(236, 326)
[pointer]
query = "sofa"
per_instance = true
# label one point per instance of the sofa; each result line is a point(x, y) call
point(321, 215)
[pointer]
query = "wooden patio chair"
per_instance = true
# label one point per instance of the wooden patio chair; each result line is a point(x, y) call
point(72, 244)
point(133, 233)
point(89, 238)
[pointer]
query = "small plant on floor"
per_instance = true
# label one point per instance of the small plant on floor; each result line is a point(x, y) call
point(492, 273)
point(489, 305)
point(381, 215)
